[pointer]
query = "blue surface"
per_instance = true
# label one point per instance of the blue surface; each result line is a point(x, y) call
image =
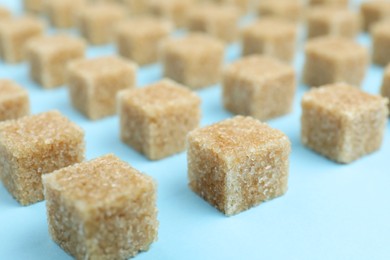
point(331, 211)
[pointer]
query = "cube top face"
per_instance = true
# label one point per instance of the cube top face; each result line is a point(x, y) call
point(101, 67)
point(271, 27)
point(53, 44)
point(98, 183)
point(259, 68)
point(237, 137)
point(193, 44)
point(145, 26)
point(343, 100)
point(102, 10)
point(289, 9)
point(64, 4)
point(335, 48)
point(21, 24)
point(159, 97)
point(376, 6)
point(27, 135)
point(9, 90)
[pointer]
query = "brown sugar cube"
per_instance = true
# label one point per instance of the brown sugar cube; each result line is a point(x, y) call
point(380, 43)
point(94, 84)
point(374, 11)
point(332, 59)
point(101, 209)
point(238, 163)
point(14, 34)
point(14, 100)
point(241, 5)
point(270, 36)
point(4, 13)
point(259, 86)
point(332, 21)
point(173, 10)
point(286, 9)
point(385, 91)
point(155, 120)
point(194, 60)
point(339, 3)
point(33, 6)
point(220, 21)
point(63, 13)
point(97, 21)
point(141, 45)
point(49, 56)
point(35, 145)
point(342, 122)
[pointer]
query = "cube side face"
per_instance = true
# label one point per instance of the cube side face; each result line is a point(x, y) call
point(36, 67)
point(53, 69)
point(142, 49)
point(167, 133)
point(224, 28)
point(14, 107)
point(381, 52)
point(98, 30)
point(207, 174)
point(251, 45)
point(19, 41)
point(318, 70)
point(134, 127)
point(203, 70)
point(274, 97)
point(121, 230)
point(351, 70)
point(322, 131)
point(65, 223)
point(364, 134)
point(258, 177)
point(317, 27)
point(104, 89)
point(79, 90)
point(174, 66)
point(238, 94)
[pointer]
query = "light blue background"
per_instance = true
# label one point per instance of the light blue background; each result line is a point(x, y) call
point(331, 211)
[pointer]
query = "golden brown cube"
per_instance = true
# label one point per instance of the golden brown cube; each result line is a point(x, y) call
point(141, 45)
point(374, 11)
point(14, 100)
point(35, 145)
point(331, 59)
point(63, 13)
point(94, 84)
point(380, 43)
point(173, 10)
point(194, 60)
point(385, 91)
point(155, 120)
point(49, 55)
point(220, 21)
point(287, 9)
point(4, 13)
point(332, 21)
point(14, 34)
point(338, 3)
point(97, 22)
point(241, 5)
point(259, 86)
point(270, 36)
point(34, 6)
point(238, 163)
point(101, 209)
point(342, 122)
